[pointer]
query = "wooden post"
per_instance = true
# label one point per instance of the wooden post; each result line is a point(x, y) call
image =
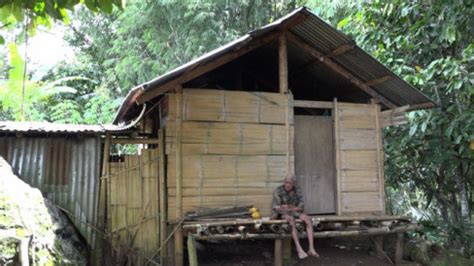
point(283, 63)
point(162, 189)
point(192, 256)
point(378, 241)
point(100, 243)
point(286, 251)
point(380, 158)
point(178, 237)
point(289, 143)
point(399, 249)
point(278, 252)
point(335, 115)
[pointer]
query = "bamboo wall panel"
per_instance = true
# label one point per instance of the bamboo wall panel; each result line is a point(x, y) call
point(134, 205)
point(231, 106)
point(229, 138)
point(360, 165)
point(233, 147)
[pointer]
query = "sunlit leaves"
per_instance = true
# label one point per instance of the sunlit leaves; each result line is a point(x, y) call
point(41, 12)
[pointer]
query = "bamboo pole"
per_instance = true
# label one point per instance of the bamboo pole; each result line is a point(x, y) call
point(195, 224)
point(135, 141)
point(162, 189)
point(399, 249)
point(104, 215)
point(192, 256)
point(178, 239)
point(289, 107)
point(325, 234)
point(283, 63)
point(337, 158)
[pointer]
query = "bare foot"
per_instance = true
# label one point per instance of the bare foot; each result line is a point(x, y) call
point(302, 254)
point(313, 253)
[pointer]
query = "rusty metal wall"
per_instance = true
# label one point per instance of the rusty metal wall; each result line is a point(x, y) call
point(66, 170)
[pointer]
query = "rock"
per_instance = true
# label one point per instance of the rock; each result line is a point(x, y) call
point(32, 226)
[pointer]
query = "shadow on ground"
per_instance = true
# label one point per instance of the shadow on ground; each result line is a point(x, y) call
point(332, 252)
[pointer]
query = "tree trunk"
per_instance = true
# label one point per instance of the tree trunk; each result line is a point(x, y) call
point(463, 199)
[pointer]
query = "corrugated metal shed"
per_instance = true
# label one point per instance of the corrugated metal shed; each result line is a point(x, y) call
point(66, 170)
point(313, 31)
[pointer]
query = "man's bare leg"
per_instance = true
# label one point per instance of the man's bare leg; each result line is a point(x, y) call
point(309, 230)
point(294, 235)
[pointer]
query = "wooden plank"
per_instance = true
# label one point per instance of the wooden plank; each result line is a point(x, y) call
point(339, 70)
point(356, 122)
point(361, 202)
point(313, 104)
point(379, 81)
point(314, 158)
point(359, 160)
point(340, 50)
point(358, 143)
point(357, 181)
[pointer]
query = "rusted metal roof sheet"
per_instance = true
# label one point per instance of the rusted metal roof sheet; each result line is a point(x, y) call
point(46, 127)
point(323, 38)
point(65, 170)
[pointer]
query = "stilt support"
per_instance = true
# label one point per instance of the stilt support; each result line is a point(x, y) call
point(286, 251)
point(178, 247)
point(192, 256)
point(399, 249)
point(378, 241)
point(278, 252)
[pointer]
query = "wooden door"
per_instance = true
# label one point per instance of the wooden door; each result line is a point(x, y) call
point(314, 163)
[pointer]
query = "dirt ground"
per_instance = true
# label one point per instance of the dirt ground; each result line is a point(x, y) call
point(332, 252)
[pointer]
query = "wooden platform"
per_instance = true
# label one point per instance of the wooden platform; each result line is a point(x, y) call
point(279, 230)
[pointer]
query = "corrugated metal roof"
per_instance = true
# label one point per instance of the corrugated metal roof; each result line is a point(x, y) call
point(318, 34)
point(47, 127)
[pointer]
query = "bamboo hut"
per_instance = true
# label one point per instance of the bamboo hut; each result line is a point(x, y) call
point(295, 96)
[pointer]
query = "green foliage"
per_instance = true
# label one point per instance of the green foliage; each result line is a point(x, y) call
point(428, 162)
point(41, 12)
point(153, 37)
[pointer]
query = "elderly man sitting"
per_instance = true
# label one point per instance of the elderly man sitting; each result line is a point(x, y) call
point(288, 204)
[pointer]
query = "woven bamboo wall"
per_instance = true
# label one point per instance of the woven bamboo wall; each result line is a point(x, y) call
point(234, 147)
point(360, 159)
point(133, 206)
